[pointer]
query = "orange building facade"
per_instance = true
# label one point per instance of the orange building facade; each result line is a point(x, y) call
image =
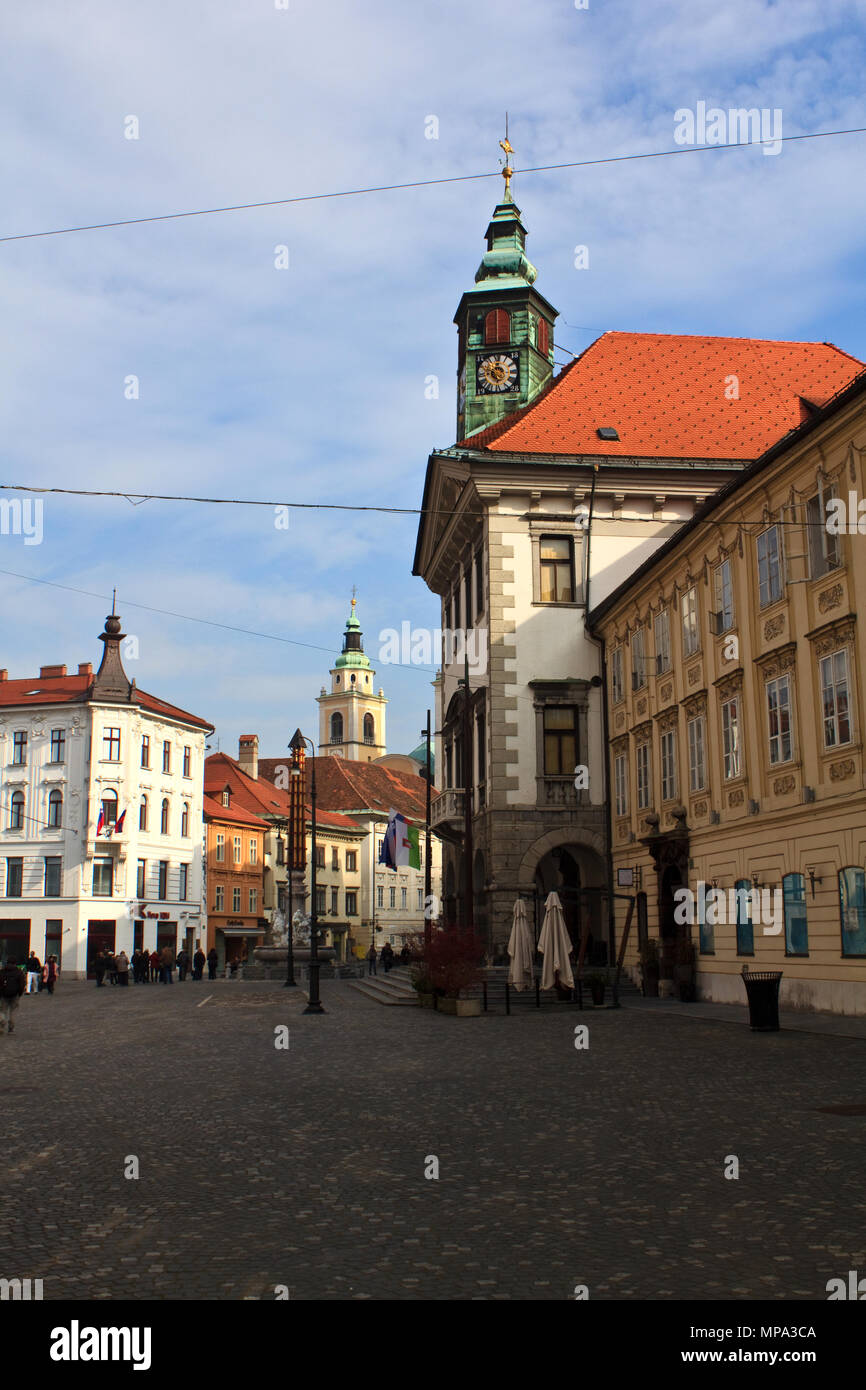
point(234, 879)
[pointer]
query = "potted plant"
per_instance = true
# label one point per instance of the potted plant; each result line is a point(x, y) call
point(597, 983)
point(684, 970)
point(649, 965)
point(423, 986)
point(453, 963)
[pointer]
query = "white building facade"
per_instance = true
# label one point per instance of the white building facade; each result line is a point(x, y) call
point(80, 756)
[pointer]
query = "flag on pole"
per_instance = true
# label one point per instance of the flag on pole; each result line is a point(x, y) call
point(118, 824)
point(101, 822)
point(401, 845)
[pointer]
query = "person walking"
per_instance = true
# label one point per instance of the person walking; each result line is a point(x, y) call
point(212, 962)
point(154, 968)
point(123, 969)
point(167, 965)
point(34, 974)
point(182, 964)
point(198, 961)
point(386, 956)
point(111, 966)
point(12, 985)
point(371, 961)
point(99, 968)
point(50, 973)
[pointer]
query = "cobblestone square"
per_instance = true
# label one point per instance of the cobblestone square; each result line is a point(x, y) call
point(305, 1167)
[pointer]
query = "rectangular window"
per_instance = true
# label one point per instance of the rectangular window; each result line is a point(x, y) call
point(392, 894)
point(662, 639)
point(769, 567)
point(669, 764)
point(617, 685)
point(620, 778)
point(731, 737)
point(163, 880)
point(58, 745)
point(689, 619)
point(254, 852)
point(320, 902)
point(745, 926)
point(320, 856)
point(220, 848)
point(796, 926)
point(334, 902)
point(638, 659)
point(351, 904)
point(141, 879)
point(145, 750)
point(697, 756)
point(187, 761)
point(823, 544)
point(351, 861)
point(183, 883)
point(52, 877)
point(335, 857)
point(779, 719)
point(420, 905)
point(19, 748)
point(852, 906)
point(834, 699)
point(219, 901)
point(236, 900)
point(254, 901)
point(724, 597)
point(14, 877)
point(380, 897)
point(166, 756)
point(237, 850)
point(643, 776)
point(556, 558)
point(403, 898)
point(560, 740)
point(103, 878)
point(111, 745)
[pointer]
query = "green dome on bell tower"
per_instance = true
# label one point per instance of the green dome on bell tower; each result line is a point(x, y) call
point(505, 327)
point(353, 653)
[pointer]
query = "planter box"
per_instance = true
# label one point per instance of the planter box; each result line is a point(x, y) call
point(427, 1001)
point(461, 1008)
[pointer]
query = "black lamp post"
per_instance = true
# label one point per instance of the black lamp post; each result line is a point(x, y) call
point(314, 1005)
point(291, 982)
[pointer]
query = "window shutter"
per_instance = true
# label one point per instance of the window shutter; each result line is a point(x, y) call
point(497, 326)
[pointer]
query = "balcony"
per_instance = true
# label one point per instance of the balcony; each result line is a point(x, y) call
point(446, 810)
point(559, 791)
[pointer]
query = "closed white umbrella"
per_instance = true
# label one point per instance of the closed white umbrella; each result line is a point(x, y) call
point(555, 945)
point(521, 949)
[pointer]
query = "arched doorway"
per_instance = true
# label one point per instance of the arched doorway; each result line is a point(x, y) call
point(577, 874)
point(670, 931)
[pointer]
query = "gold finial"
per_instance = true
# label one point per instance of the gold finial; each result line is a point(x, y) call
point(505, 145)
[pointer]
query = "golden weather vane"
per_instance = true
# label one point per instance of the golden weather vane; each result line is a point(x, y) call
point(507, 170)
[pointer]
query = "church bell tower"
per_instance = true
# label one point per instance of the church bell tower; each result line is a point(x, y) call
point(504, 326)
point(351, 713)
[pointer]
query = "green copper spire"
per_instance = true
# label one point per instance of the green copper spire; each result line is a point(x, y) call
point(505, 262)
point(353, 653)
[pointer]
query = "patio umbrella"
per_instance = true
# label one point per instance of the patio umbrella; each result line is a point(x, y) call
point(521, 949)
point(555, 945)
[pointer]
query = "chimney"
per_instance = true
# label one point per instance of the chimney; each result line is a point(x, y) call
point(4, 674)
point(85, 668)
point(248, 754)
point(47, 673)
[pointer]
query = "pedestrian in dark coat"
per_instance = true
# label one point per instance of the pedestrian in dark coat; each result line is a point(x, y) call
point(371, 961)
point(99, 969)
point(212, 962)
point(154, 967)
point(49, 973)
point(198, 961)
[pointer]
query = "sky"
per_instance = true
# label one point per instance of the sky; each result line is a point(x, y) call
point(310, 382)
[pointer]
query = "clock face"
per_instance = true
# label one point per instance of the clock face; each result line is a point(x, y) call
point(496, 372)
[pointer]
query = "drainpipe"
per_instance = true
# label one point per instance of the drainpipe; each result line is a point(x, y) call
point(599, 641)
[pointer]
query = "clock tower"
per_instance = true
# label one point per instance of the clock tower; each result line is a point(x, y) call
point(351, 713)
point(504, 326)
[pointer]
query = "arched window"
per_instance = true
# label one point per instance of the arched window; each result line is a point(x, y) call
point(542, 340)
point(163, 819)
point(142, 814)
point(109, 809)
point(745, 926)
point(336, 728)
point(16, 812)
point(497, 326)
point(184, 820)
point(852, 907)
point(55, 809)
point(369, 729)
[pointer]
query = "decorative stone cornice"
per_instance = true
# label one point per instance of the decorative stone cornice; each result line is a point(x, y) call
point(695, 704)
point(730, 685)
point(833, 635)
point(780, 659)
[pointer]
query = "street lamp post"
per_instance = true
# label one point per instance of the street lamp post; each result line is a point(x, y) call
point(314, 1005)
point(291, 982)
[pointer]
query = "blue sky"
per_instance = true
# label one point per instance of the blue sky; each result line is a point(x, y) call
point(308, 384)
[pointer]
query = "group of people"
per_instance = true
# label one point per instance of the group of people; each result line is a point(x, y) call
point(154, 966)
point(387, 957)
point(30, 978)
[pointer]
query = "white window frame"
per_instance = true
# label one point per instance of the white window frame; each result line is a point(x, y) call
point(620, 778)
point(766, 597)
point(617, 684)
point(643, 761)
point(691, 632)
point(669, 764)
point(831, 681)
point(662, 640)
point(723, 595)
point(697, 754)
point(776, 741)
point(731, 750)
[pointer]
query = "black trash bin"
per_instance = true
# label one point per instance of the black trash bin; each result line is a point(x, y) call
point(762, 990)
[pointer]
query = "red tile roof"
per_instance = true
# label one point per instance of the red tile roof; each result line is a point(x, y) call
point(65, 690)
point(347, 786)
point(260, 795)
point(214, 810)
point(664, 393)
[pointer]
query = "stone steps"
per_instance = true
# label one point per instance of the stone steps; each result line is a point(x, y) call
point(394, 988)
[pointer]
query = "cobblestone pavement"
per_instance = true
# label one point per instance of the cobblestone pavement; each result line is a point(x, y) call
point(305, 1168)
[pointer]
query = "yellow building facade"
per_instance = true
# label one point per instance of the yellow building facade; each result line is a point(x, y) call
point(734, 673)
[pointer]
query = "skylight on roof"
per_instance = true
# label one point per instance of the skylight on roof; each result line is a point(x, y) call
point(32, 692)
point(607, 432)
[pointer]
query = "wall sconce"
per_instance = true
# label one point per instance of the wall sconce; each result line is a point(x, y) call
point(813, 880)
point(756, 882)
